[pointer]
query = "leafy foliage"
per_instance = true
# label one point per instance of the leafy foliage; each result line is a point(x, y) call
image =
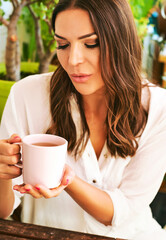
point(43, 11)
point(141, 9)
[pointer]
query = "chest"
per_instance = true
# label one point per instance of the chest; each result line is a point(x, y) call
point(97, 137)
point(105, 172)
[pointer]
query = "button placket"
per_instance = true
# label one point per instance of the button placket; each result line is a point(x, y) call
point(93, 180)
point(91, 165)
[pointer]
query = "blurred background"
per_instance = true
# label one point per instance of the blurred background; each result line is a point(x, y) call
point(27, 47)
point(26, 37)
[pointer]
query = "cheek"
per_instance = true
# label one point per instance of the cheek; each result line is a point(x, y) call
point(95, 60)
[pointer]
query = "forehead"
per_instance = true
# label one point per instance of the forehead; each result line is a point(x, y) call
point(73, 22)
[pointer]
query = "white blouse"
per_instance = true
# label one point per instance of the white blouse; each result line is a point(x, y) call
point(132, 183)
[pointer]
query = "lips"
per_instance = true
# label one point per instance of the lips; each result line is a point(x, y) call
point(80, 78)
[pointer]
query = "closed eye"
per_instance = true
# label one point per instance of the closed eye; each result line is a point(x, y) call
point(96, 44)
point(62, 46)
point(92, 45)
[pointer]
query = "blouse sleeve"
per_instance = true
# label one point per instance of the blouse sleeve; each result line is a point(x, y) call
point(143, 175)
point(26, 111)
point(13, 117)
point(10, 124)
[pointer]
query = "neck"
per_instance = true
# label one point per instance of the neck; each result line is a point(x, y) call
point(95, 103)
point(95, 109)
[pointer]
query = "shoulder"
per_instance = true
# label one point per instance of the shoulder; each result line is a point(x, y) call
point(157, 93)
point(157, 100)
point(156, 124)
point(154, 99)
point(32, 83)
point(31, 91)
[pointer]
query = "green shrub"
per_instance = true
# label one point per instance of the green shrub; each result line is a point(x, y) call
point(4, 92)
point(27, 68)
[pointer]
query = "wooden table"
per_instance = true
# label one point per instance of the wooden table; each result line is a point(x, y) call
point(12, 230)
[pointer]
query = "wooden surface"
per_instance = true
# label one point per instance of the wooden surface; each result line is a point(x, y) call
point(12, 230)
point(163, 60)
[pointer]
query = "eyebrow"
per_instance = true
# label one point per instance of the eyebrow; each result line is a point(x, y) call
point(82, 37)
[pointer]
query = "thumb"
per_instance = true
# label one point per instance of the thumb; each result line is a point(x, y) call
point(14, 138)
point(68, 176)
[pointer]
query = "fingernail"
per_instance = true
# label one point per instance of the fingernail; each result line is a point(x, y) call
point(27, 190)
point(15, 188)
point(16, 138)
point(67, 181)
point(23, 191)
point(37, 188)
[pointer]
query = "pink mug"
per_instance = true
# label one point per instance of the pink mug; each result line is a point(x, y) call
point(43, 159)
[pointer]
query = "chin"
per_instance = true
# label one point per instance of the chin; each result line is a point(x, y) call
point(89, 92)
point(87, 89)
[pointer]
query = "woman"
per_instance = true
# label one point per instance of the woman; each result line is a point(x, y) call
point(113, 120)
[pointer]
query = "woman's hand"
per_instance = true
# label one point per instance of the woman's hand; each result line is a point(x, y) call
point(39, 191)
point(9, 156)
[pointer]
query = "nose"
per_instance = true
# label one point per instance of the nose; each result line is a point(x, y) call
point(76, 55)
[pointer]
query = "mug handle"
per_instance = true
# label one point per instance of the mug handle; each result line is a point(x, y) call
point(19, 164)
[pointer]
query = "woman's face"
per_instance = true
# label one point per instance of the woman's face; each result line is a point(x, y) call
point(78, 50)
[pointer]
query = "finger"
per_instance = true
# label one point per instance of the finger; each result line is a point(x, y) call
point(49, 193)
point(28, 189)
point(6, 146)
point(10, 170)
point(14, 138)
point(17, 187)
point(20, 188)
point(68, 176)
point(8, 176)
point(8, 149)
point(32, 191)
point(11, 160)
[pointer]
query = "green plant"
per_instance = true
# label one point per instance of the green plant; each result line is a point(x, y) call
point(12, 45)
point(4, 92)
point(141, 10)
point(38, 25)
point(40, 12)
point(27, 68)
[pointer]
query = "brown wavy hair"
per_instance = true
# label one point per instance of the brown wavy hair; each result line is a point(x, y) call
point(120, 58)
